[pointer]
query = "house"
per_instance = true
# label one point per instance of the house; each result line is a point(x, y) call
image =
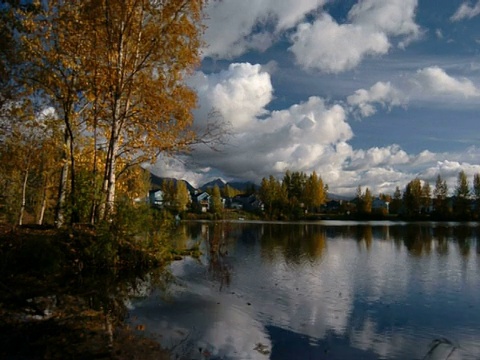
point(246, 202)
point(155, 198)
point(380, 206)
point(332, 206)
point(203, 199)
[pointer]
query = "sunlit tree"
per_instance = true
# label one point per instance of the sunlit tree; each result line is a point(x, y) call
point(315, 194)
point(217, 205)
point(168, 189)
point(114, 70)
point(182, 197)
point(367, 200)
point(52, 45)
point(143, 50)
point(273, 195)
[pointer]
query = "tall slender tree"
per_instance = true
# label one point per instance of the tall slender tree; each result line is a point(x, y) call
point(440, 194)
point(426, 197)
point(315, 191)
point(274, 196)
point(367, 200)
point(396, 203)
point(462, 196)
point(182, 197)
point(52, 47)
point(217, 205)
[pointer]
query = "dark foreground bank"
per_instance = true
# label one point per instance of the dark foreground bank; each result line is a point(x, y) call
point(63, 293)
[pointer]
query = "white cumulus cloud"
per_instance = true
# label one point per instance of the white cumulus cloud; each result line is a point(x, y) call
point(434, 80)
point(427, 85)
point(363, 101)
point(332, 47)
point(394, 17)
point(239, 93)
point(466, 11)
point(231, 24)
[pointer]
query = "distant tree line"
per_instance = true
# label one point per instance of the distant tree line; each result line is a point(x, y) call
point(297, 194)
point(419, 201)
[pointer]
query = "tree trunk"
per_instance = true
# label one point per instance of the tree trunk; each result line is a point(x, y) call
point(111, 180)
point(62, 187)
point(44, 203)
point(42, 211)
point(24, 196)
point(74, 216)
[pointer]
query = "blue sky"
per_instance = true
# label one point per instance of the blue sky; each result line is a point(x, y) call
point(371, 92)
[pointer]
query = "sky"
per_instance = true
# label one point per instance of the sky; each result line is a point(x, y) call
point(370, 93)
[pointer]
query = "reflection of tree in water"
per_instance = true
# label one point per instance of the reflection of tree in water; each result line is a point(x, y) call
point(295, 243)
point(397, 235)
point(462, 236)
point(364, 235)
point(441, 235)
point(217, 243)
point(477, 238)
point(194, 230)
point(418, 239)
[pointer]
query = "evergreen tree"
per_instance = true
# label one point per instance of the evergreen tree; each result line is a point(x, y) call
point(426, 197)
point(462, 196)
point(359, 199)
point(396, 203)
point(440, 194)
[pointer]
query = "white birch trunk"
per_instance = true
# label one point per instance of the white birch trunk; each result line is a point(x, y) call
point(62, 189)
point(24, 196)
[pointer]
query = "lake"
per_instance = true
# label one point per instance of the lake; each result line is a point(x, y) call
point(325, 290)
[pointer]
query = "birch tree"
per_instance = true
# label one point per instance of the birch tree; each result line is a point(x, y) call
point(113, 69)
point(143, 50)
point(53, 38)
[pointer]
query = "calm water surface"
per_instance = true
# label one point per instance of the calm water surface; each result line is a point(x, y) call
point(321, 291)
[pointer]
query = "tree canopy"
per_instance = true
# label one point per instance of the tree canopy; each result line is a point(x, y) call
point(112, 71)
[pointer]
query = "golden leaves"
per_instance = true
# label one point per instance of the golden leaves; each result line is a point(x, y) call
point(115, 70)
